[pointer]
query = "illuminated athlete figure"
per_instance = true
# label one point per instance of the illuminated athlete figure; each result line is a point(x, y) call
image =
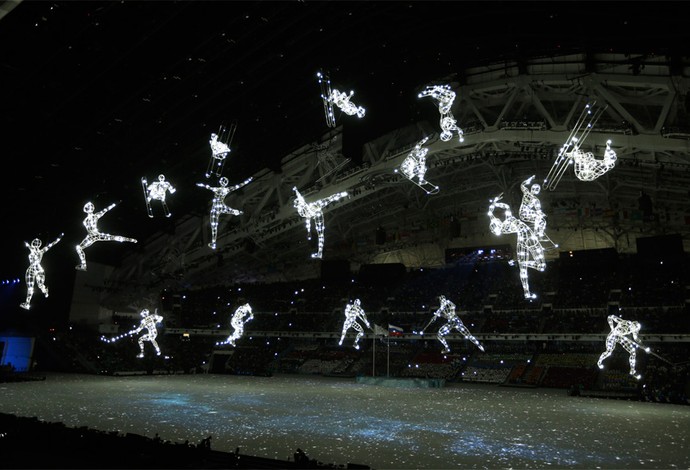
point(35, 272)
point(218, 207)
point(530, 252)
point(342, 100)
point(314, 210)
point(620, 332)
point(353, 312)
point(148, 321)
point(444, 98)
point(589, 168)
point(447, 311)
point(414, 166)
point(242, 315)
point(157, 191)
point(220, 148)
point(530, 210)
point(93, 235)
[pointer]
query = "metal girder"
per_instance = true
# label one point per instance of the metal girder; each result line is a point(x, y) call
point(515, 125)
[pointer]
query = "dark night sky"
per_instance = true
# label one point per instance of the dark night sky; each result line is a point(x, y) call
point(98, 94)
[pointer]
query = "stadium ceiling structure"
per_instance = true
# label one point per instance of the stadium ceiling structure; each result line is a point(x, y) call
point(515, 116)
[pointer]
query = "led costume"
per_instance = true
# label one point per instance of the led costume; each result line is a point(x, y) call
point(314, 210)
point(353, 312)
point(446, 310)
point(414, 166)
point(35, 272)
point(587, 167)
point(218, 207)
point(444, 98)
point(331, 96)
point(93, 235)
point(220, 148)
point(530, 210)
point(242, 315)
point(148, 322)
point(157, 190)
point(621, 330)
point(530, 252)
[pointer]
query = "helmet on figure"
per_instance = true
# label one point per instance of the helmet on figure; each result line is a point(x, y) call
point(145, 312)
point(535, 189)
point(161, 178)
point(223, 181)
point(35, 243)
point(88, 207)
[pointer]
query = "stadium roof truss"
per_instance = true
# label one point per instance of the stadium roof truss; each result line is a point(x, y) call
point(515, 116)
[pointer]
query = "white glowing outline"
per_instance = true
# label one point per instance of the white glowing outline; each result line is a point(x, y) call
point(237, 322)
point(587, 167)
point(93, 235)
point(156, 191)
point(444, 97)
point(218, 207)
point(148, 322)
point(530, 253)
point(353, 312)
point(447, 311)
point(325, 83)
point(35, 272)
point(314, 210)
point(620, 330)
point(342, 101)
point(220, 148)
point(414, 166)
point(531, 212)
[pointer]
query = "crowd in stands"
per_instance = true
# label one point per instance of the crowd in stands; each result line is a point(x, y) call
point(296, 327)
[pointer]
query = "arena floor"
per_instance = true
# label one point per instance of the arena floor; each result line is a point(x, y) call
point(336, 420)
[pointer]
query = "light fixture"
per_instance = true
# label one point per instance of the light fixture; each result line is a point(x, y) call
point(218, 207)
point(93, 235)
point(242, 315)
point(353, 312)
point(157, 190)
point(314, 210)
point(35, 272)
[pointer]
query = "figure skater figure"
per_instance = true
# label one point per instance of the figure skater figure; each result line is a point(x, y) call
point(530, 252)
point(35, 272)
point(93, 235)
point(218, 207)
point(621, 330)
point(314, 210)
point(353, 312)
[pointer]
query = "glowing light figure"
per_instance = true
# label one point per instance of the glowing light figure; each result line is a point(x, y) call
point(93, 235)
point(587, 168)
point(446, 310)
point(623, 332)
point(242, 315)
point(314, 210)
point(354, 312)
point(218, 207)
point(325, 83)
point(530, 209)
point(148, 322)
point(530, 253)
point(414, 166)
point(35, 274)
point(157, 191)
point(444, 97)
point(220, 148)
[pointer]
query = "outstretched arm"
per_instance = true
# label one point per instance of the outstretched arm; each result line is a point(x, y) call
point(53, 243)
point(243, 183)
point(524, 184)
point(102, 213)
point(202, 185)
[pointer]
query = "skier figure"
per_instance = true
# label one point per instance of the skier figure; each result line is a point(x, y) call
point(35, 272)
point(353, 312)
point(157, 190)
point(589, 168)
